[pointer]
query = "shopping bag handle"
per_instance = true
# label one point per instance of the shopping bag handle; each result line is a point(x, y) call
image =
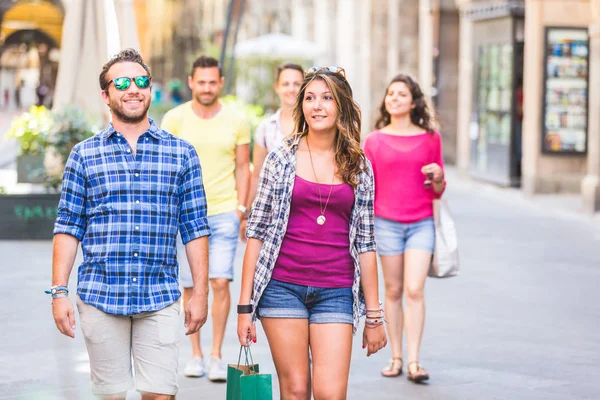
point(248, 357)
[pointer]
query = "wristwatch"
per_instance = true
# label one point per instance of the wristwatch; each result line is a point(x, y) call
point(241, 208)
point(244, 309)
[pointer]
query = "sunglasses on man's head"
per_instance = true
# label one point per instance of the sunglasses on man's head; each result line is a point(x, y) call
point(123, 82)
point(335, 70)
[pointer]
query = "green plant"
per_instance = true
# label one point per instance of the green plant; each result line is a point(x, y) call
point(31, 130)
point(71, 126)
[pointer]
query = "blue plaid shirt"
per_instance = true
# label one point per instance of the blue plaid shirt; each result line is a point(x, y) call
point(126, 208)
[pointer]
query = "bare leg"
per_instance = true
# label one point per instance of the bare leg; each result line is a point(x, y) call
point(331, 349)
point(118, 396)
point(220, 312)
point(415, 274)
point(155, 396)
point(393, 276)
point(194, 338)
point(288, 341)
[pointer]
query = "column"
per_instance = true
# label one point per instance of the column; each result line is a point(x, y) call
point(393, 36)
point(425, 47)
point(533, 70)
point(299, 19)
point(590, 185)
point(465, 89)
point(363, 88)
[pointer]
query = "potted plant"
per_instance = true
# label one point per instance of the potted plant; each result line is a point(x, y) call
point(71, 126)
point(31, 130)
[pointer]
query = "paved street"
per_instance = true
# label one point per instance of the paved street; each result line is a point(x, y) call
point(521, 322)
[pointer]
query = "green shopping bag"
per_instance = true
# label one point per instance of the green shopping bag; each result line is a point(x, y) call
point(235, 371)
point(256, 386)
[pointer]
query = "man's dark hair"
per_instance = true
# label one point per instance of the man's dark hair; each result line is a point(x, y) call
point(206, 62)
point(127, 55)
point(283, 67)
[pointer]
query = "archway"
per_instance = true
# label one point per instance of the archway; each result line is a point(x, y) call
point(30, 39)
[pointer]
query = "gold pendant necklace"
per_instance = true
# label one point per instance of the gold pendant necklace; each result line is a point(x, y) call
point(321, 218)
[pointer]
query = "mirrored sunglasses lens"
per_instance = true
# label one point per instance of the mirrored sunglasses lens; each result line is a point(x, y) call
point(142, 82)
point(122, 83)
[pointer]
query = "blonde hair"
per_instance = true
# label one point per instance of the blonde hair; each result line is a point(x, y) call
point(349, 157)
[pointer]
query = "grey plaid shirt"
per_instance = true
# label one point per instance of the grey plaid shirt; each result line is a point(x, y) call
point(270, 213)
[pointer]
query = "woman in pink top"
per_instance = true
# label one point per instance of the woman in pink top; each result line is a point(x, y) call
point(406, 154)
point(310, 267)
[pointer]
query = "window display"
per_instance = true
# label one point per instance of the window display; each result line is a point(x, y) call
point(566, 91)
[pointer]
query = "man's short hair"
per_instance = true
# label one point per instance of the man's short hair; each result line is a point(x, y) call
point(127, 55)
point(206, 62)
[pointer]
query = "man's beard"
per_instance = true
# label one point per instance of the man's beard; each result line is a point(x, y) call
point(206, 103)
point(132, 117)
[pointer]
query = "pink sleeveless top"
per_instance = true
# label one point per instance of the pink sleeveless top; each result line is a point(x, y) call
point(312, 254)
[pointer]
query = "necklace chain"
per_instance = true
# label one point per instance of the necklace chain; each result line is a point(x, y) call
point(321, 208)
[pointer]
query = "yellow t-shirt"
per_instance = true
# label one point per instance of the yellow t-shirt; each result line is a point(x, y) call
point(215, 140)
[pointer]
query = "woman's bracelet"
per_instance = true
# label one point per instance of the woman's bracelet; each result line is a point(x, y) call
point(373, 325)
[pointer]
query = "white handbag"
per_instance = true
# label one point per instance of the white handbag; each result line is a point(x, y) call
point(444, 262)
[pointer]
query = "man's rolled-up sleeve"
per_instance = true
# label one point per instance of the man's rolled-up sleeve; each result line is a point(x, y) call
point(71, 216)
point(193, 221)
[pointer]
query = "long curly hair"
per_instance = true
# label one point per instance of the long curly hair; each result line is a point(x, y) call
point(349, 157)
point(421, 115)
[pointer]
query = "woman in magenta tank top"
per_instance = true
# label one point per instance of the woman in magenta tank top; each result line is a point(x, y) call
point(310, 267)
point(406, 155)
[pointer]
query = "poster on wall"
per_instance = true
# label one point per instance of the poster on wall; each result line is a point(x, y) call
point(566, 91)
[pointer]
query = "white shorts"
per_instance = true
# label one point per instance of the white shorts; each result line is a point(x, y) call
point(152, 338)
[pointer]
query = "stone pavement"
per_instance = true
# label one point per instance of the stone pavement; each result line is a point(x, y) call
point(520, 322)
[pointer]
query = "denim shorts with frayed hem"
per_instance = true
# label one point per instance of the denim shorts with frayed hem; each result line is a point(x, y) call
point(318, 305)
point(394, 238)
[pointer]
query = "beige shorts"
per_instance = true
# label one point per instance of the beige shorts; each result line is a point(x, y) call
point(152, 339)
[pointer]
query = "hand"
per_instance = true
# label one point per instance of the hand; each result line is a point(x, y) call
point(433, 172)
point(196, 312)
point(64, 317)
point(374, 339)
point(246, 329)
point(243, 223)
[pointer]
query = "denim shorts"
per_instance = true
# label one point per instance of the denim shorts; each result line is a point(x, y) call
point(318, 305)
point(222, 244)
point(395, 238)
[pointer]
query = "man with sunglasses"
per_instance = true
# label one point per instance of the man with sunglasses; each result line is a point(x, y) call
point(126, 192)
point(221, 135)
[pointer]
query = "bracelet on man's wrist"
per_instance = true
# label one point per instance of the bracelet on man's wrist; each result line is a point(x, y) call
point(57, 289)
point(60, 295)
point(244, 309)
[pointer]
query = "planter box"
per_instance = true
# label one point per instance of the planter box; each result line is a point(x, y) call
point(28, 216)
point(30, 169)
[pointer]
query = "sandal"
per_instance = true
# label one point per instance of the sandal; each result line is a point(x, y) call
point(393, 370)
point(419, 375)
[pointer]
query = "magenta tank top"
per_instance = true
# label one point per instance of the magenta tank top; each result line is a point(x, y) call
point(312, 254)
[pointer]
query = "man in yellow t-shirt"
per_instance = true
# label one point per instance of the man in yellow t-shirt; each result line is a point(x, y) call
point(221, 135)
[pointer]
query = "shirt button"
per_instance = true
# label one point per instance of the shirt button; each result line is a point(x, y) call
point(135, 254)
point(129, 150)
point(134, 279)
point(137, 202)
point(137, 228)
point(136, 174)
point(147, 139)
